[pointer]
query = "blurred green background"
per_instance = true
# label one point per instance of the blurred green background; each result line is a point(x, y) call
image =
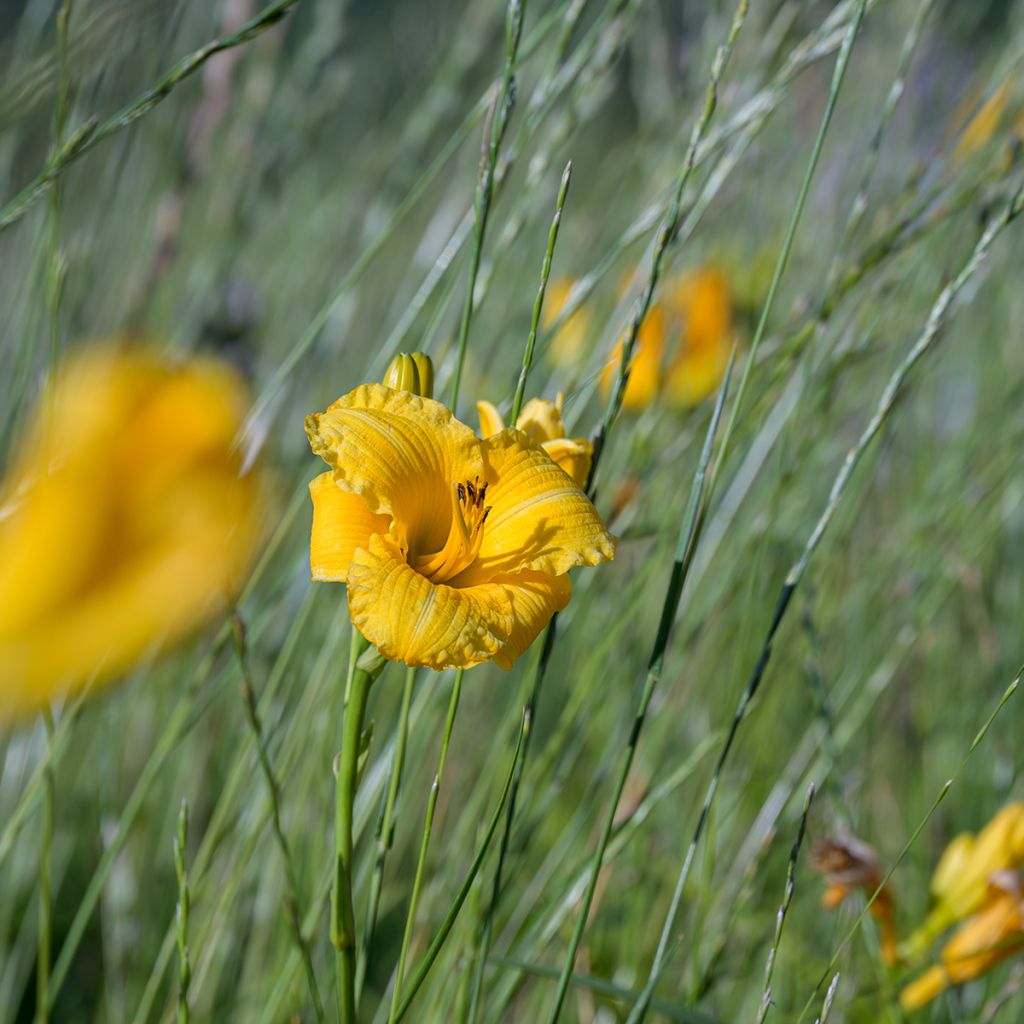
point(302, 206)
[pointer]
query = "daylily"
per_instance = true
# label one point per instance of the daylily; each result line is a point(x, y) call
point(542, 420)
point(124, 520)
point(960, 883)
point(692, 324)
point(455, 549)
point(979, 944)
point(850, 864)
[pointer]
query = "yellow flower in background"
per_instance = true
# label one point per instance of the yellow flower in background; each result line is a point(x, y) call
point(693, 327)
point(569, 344)
point(961, 880)
point(542, 420)
point(979, 123)
point(135, 529)
point(848, 865)
point(701, 313)
point(994, 933)
point(455, 550)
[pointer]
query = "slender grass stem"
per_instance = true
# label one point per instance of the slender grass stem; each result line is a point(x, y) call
point(385, 830)
point(666, 235)
point(44, 948)
point(93, 131)
point(689, 530)
point(441, 935)
point(979, 736)
point(936, 320)
point(499, 118)
point(780, 917)
point(545, 271)
point(181, 914)
point(293, 896)
point(838, 76)
point(421, 862)
point(343, 926)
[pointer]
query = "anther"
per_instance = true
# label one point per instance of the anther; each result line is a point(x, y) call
point(472, 492)
point(462, 493)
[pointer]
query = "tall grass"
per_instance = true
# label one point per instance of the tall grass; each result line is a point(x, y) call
point(819, 574)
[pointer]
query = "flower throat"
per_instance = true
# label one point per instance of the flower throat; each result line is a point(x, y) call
point(467, 531)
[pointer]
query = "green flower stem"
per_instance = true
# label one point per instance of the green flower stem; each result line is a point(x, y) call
point(343, 928)
point(428, 826)
point(385, 831)
point(45, 942)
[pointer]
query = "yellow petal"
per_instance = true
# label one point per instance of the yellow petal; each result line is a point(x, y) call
point(490, 419)
point(401, 453)
point(645, 368)
point(572, 456)
point(697, 374)
point(539, 518)
point(421, 623)
point(922, 991)
point(951, 865)
point(541, 419)
point(137, 529)
point(341, 523)
point(535, 597)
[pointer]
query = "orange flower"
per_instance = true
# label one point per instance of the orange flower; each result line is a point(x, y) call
point(979, 944)
point(850, 864)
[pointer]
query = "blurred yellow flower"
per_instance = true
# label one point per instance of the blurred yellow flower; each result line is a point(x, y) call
point(701, 306)
point(455, 550)
point(693, 323)
point(849, 864)
point(960, 883)
point(568, 345)
point(979, 123)
point(994, 933)
point(135, 528)
point(542, 420)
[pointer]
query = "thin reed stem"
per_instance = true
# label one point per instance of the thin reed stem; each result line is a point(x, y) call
point(686, 542)
point(443, 931)
point(93, 131)
point(780, 917)
point(44, 947)
point(421, 862)
point(538, 304)
point(666, 235)
point(500, 115)
point(343, 925)
point(293, 897)
point(181, 913)
point(936, 320)
point(385, 830)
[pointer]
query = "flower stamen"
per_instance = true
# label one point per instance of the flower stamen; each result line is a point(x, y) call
point(465, 536)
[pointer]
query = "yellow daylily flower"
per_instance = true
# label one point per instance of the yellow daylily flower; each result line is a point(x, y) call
point(124, 520)
point(645, 367)
point(569, 343)
point(994, 933)
point(850, 864)
point(455, 550)
point(693, 325)
point(542, 420)
point(979, 125)
point(960, 883)
point(701, 305)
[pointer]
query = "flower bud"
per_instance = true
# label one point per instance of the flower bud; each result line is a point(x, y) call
point(411, 372)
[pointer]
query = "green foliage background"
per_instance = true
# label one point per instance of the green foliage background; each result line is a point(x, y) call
point(302, 204)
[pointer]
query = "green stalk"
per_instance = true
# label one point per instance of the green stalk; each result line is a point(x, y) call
point(421, 863)
point(182, 913)
point(385, 831)
point(45, 941)
point(686, 544)
point(500, 115)
point(343, 928)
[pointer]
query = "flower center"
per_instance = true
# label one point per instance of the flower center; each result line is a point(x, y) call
point(467, 531)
